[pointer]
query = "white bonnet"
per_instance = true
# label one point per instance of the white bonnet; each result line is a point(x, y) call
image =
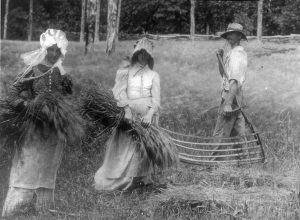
point(53, 36)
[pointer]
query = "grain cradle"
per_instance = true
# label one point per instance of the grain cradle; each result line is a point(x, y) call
point(210, 151)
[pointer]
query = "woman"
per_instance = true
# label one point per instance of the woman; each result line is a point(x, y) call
point(39, 95)
point(137, 89)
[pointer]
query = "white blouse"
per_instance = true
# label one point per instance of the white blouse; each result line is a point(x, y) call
point(137, 83)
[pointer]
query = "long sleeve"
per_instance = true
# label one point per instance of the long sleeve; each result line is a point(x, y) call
point(120, 88)
point(155, 92)
point(67, 84)
point(19, 92)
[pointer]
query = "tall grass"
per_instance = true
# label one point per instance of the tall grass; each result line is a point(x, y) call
point(190, 92)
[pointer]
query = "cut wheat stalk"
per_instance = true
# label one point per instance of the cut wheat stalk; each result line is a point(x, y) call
point(99, 105)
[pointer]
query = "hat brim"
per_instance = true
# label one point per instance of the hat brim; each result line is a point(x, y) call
point(224, 35)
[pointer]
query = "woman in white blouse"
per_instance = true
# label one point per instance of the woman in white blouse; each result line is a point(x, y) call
point(137, 89)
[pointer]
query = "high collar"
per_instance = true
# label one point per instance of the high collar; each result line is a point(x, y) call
point(138, 68)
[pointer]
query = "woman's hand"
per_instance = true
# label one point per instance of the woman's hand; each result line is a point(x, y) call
point(25, 103)
point(147, 120)
point(128, 115)
point(20, 103)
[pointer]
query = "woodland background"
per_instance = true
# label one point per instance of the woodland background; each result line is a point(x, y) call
point(280, 17)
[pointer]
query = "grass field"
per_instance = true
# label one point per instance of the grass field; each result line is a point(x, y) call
point(190, 91)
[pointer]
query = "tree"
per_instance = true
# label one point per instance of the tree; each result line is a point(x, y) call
point(83, 16)
point(192, 17)
point(90, 25)
point(259, 19)
point(290, 20)
point(30, 20)
point(118, 18)
point(155, 16)
point(5, 19)
point(112, 17)
point(97, 22)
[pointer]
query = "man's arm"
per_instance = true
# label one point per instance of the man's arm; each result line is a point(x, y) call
point(220, 54)
point(237, 69)
point(233, 88)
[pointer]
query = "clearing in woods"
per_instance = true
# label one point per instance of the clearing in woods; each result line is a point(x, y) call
point(190, 91)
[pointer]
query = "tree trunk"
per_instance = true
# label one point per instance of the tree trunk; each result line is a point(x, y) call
point(207, 28)
point(97, 22)
point(112, 17)
point(1, 22)
point(90, 25)
point(259, 19)
point(30, 20)
point(5, 19)
point(192, 22)
point(82, 24)
point(118, 18)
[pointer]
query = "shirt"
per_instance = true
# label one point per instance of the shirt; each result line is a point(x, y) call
point(137, 83)
point(235, 62)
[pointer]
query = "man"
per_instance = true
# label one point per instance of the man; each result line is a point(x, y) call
point(231, 120)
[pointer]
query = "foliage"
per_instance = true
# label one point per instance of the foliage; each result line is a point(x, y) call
point(164, 17)
point(99, 105)
point(290, 20)
point(16, 28)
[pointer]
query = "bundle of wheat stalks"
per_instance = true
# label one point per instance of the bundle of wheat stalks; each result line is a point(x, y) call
point(98, 104)
point(10, 121)
point(45, 110)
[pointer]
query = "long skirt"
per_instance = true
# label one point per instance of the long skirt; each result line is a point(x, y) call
point(35, 165)
point(123, 165)
point(34, 169)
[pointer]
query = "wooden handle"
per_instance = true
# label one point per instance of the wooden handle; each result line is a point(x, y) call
point(222, 65)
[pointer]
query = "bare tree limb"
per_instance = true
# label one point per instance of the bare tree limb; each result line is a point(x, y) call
point(259, 19)
point(6, 19)
point(83, 17)
point(30, 20)
point(192, 17)
point(97, 22)
point(112, 16)
point(118, 18)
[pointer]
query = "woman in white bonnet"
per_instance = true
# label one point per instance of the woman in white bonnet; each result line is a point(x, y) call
point(40, 90)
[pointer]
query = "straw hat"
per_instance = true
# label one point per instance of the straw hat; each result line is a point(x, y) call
point(234, 27)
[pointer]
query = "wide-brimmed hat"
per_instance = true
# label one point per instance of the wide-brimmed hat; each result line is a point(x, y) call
point(234, 27)
point(146, 45)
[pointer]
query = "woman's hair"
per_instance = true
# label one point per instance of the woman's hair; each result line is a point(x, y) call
point(150, 60)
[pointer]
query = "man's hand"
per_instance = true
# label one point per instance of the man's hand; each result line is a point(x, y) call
point(220, 52)
point(227, 109)
point(230, 97)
